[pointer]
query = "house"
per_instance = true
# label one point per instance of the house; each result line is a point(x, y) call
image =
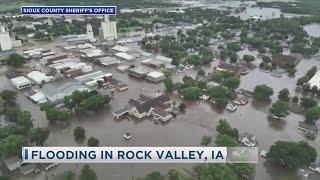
point(248, 139)
point(159, 108)
point(283, 61)
point(109, 61)
point(123, 68)
point(38, 98)
point(124, 56)
point(139, 73)
point(155, 76)
point(119, 48)
point(21, 82)
point(164, 59)
point(12, 163)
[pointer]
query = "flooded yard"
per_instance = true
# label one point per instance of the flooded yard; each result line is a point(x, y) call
point(313, 30)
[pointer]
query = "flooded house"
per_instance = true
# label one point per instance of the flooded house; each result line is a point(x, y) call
point(12, 163)
point(159, 108)
point(283, 61)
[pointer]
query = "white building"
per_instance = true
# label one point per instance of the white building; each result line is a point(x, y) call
point(21, 82)
point(315, 80)
point(89, 31)
point(5, 41)
point(39, 77)
point(109, 29)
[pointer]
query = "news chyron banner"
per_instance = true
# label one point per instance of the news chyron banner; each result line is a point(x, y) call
point(139, 155)
point(68, 10)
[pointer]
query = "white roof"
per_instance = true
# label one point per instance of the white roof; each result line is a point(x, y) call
point(155, 74)
point(38, 97)
point(20, 80)
point(120, 48)
point(124, 56)
point(164, 59)
point(315, 80)
point(39, 77)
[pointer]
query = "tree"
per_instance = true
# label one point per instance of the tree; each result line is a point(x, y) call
point(93, 142)
point(95, 102)
point(226, 140)
point(169, 84)
point(312, 114)
point(87, 173)
point(68, 175)
point(206, 56)
point(201, 73)
point(38, 135)
point(11, 145)
point(206, 140)
point(292, 154)
point(8, 97)
point(191, 93)
point(215, 171)
point(225, 128)
point(54, 114)
point(154, 176)
point(173, 175)
point(248, 58)
point(232, 82)
point(15, 60)
point(279, 109)
point(262, 92)
point(284, 95)
point(24, 120)
point(79, 133)
point(219, 92)
point(308, 102)
point(295, 99)
point(12, 114)
point(46, 106)
point(244, 171)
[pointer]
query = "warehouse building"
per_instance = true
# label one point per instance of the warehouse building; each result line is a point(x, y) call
point(21, 82)
point(138, 73)
point(39, 77)
point(155, 77)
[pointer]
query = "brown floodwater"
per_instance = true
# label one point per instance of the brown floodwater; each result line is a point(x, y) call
point(186, 130)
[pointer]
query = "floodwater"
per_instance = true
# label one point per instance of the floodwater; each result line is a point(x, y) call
point(312, 29)
point(200, 119)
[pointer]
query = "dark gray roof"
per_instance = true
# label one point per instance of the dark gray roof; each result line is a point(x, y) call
point(49, 90)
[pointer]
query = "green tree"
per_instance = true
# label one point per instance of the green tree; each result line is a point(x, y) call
point(93, 142)
point(295, 99)
point(79, 133)
point(206, 56)
point(312, 114)
point(169, 84)
point(248, 58)
point(12, 114)
point(292, 154)
point(225, 128)
point(206, 140)
point(39, 135)
point(279, 109)
point(15, 60)
point(46, 106)
point(225, 140)
point(201, 73)
point(262, 92)
point(154, 176)
point(68, 175)
point(284, 95)
point(215, 171)
point(24, 120)
point(11, 145)
point(244, 171)
point(308, 102)
point(8, 97)
point(182, 107)
point(54, 114)
point(232, 82)
point(87, 173)
point(191, 93)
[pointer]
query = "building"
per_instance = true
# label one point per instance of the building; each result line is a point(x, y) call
point(92, 80)
point(108, 29)
point(21, 82)
point(90, 32)
point(124, 56)
point(109, 61)
point(51, 58)
point(39, 77)
point(12, 163)
point(283, 61)
point(155, 76)
point(28, 169)
point(138, 73)
point(119, 48)
point(153, 63)
point(164, 59)
point(315, 80)
point(5, 41)
point(159, 108)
